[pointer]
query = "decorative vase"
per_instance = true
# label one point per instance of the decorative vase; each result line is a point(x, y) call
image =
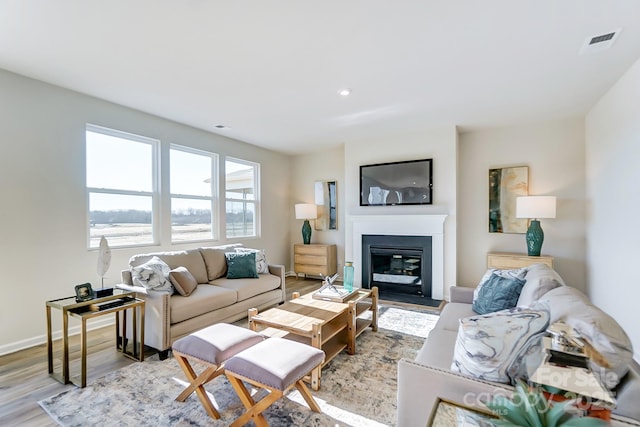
point(347, 276)
point(306, 232)
point(535, 237)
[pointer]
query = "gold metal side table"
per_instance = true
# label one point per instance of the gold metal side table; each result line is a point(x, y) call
point(82, 310)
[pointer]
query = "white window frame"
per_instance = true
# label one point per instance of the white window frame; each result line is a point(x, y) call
point(154, 194)
point(215, 210)
point(255, 202)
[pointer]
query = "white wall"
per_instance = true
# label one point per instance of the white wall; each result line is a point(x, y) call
point(327, 165)
point(554, 153)
point(439, 144)
point(43, 252)
point(613, 177)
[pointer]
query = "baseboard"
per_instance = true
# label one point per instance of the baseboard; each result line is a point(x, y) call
point(42, 339)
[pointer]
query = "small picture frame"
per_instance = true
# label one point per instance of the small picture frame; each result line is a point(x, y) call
point(84, 292)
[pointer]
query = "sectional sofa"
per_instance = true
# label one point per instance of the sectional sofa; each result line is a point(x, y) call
point(421, 382)
point(215, 299)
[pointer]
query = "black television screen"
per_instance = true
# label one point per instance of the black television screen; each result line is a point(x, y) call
point(397, 183)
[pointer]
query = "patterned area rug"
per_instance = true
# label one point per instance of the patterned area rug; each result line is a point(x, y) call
point(357, 390)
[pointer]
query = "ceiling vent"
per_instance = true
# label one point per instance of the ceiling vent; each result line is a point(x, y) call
point(600, 42)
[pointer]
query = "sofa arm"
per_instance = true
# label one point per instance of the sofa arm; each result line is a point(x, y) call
point(278, 270)
point(461, 294)
point(157, 315)
point(420, 387)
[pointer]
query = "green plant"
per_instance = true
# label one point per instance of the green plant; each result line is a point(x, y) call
point(529, 408)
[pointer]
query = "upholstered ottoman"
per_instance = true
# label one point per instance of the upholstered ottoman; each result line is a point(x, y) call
point(211, 346)
point(275, 364)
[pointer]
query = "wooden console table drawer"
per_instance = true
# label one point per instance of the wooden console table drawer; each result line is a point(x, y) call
point(315, 259)
point(504, 260)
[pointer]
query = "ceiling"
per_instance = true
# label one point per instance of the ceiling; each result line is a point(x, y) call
point(271, 70)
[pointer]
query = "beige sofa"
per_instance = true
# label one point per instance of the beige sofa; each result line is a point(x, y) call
point(216, 299)
point(422, 381)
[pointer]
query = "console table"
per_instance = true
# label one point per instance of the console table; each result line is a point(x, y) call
point(507, 260)
point(82, 310)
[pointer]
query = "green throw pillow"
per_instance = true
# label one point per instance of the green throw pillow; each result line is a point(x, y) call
point(241, 265)
point(499, 293)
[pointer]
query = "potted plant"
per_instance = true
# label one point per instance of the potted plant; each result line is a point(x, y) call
point(529, 408)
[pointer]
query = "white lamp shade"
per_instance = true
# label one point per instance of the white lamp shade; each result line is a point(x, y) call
point(306, 211)
point(536, 207)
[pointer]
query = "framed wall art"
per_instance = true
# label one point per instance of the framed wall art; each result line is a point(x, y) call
point(505, 184)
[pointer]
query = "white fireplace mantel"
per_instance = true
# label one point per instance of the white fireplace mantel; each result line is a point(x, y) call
point(399, 225)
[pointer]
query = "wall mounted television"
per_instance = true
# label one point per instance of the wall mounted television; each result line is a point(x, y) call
point(397, 183)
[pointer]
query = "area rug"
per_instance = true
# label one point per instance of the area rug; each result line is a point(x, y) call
point(357, 390)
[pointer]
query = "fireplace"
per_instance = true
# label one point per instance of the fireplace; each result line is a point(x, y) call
point(431, 225)
point(400, 266)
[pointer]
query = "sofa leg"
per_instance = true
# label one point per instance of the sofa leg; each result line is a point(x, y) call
point(163, 354)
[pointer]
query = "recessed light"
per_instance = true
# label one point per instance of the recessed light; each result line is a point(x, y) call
point(344, 92)
point(222, 127)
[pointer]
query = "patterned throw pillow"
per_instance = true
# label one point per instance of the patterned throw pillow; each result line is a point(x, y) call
point(153, 275)
point(498, 293)
point(261, 259)
point(500, 346)
point(241, 265)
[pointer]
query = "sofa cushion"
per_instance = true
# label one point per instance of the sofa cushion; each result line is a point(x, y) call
point(241, 265)
point(152, 274)
point(261, 259)
point(500, 346)
point(204, 299)
point(571, 306)
point(540, 279)
point(498, 293)
point(437, 350)
point(451, 314)
point(189, 259)
point(183, 281)
point(247, 288)
point(215, 261)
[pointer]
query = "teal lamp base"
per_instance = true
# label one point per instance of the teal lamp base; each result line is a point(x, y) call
point(535, 237)
point(306, 232)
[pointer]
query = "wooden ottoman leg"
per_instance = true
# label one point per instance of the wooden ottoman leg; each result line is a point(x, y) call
point(306, 394)
point(197, 384)
point(254, 410)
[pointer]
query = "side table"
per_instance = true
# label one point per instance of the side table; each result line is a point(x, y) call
point(82, 310)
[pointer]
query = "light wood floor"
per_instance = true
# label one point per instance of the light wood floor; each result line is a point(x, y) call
point(24, 379)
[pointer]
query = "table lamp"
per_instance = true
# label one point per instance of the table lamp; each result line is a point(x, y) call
point(534, 208)
point(306, 211)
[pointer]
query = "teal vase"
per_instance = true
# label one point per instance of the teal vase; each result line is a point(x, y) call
point(306, 232)
point(347, 276)
point(535, 237)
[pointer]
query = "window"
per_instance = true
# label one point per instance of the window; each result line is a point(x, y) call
point(193, 182)
point(241, 194)
point(121, 187)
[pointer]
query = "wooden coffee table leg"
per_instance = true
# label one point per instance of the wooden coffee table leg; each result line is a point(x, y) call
point(374, 309)
point(351, 328)
point(252, 324)
point(316, 341)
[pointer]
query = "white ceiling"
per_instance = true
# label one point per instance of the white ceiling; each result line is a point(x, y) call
point(270, 70)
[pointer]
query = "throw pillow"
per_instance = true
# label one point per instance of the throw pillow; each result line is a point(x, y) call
point(571, 306)
point(540, 279)
point(241, 265)
point(261, 259)
point(498, 293)
point(183, 281)
point(500, 346)
point(518, 273)
point(152, 275)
